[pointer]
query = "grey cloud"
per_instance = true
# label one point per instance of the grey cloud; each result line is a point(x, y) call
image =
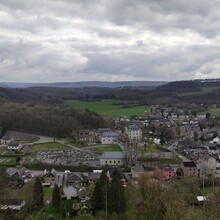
point(67, 40)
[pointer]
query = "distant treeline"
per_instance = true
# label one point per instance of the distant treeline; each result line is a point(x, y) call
point(167, 93)
point(45, 119)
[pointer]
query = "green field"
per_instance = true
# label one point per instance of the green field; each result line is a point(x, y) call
point(109, 107)
point(150, 149)
point(49, 146)
point(9, 159)
point(213, 111)
point(102, 149)
point(202, 91)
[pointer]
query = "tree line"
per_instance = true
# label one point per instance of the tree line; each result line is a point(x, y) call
point(46, 119)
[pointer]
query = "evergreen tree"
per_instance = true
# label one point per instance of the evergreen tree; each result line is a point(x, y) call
point(116, 201)
point(56, 198)
point(98, 197)
point(38, 194)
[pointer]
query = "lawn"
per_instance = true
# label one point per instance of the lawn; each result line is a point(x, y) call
point(49, 146)
point(109, 107)
point(208, 190)
point(48, 192)
point(202, 91)
point(8, 159)
point(102, 149)
point(47, 210)
point(150, 149)
point(213, 111)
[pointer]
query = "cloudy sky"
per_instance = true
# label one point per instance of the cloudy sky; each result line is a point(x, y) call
point(110, 40)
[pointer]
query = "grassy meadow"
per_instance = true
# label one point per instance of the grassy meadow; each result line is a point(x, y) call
point(203, 90)
point(109, 107)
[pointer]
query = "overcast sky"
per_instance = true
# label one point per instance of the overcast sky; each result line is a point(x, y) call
point(110, 40)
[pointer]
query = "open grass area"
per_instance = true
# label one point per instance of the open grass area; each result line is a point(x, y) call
point(102, 149)
point(49, 146)
point(150, 149)
point(109, 107)
point(42, 213)
point(8, 159)
point(208, 190)
point(48, 192)
point(203, 90)
point(213, 111)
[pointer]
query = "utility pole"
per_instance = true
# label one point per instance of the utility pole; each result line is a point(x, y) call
point(106, 201)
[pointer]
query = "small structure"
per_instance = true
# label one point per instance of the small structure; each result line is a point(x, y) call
point(74, 179)
point(50, 177)
point(109, 137)
point(93, 177)
point(115, 158)
point(164, 172)
point(83, 195)
point(189, 168)
point(7, 140)
point(12, 204)
point(14, 146)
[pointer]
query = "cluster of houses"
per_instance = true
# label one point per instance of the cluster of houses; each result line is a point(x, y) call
point(133, 133)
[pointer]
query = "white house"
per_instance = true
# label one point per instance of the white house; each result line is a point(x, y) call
point(134, 133)
point(109, 137)
point(15, 146)
point(115, 158)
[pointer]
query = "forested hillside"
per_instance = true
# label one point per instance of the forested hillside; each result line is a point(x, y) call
point(51, 120)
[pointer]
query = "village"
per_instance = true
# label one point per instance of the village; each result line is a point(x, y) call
point(162, 144)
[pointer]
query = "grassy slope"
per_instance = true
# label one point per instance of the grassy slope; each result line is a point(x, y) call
point(105, 107)
point(203, 91)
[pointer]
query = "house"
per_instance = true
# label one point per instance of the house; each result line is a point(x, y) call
point(7, 140)
point(137, 171)
point(109, 137)
point(93, 177)
point(51, 177)
point(164, 172)
point(12, 204)
point(134, 133)
point(83, 195)
point(208, 161)
point(73, 179)
point(114, 158)
point(86, 135)
point(189, 168)
point(14, 146)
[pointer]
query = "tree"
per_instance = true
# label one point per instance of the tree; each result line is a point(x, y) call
point(98, 197)
point(38, 194)
point(116, 201)
point(207, 115)
point(56, 198)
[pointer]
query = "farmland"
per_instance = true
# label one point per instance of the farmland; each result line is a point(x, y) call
point(200, 92)
point(109, 107)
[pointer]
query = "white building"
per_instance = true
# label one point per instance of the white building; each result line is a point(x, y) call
point(115, 158)
point(109, 137)
point(15, 146)
point(134, 133)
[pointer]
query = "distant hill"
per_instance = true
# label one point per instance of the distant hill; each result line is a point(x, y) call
point(88, 84)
